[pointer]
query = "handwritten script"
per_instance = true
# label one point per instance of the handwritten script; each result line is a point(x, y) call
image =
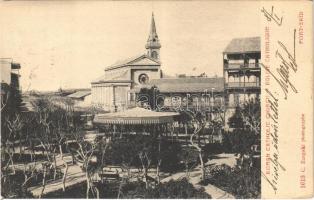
point(273, 114)
point(272, 16)
point(283, 74)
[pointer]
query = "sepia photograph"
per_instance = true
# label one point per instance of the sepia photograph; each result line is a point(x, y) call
point(118, 99)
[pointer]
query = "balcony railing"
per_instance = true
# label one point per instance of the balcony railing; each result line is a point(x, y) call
point(241, 65)
point(242, 84)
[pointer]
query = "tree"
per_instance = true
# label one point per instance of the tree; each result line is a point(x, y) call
point(29, 132)
point(150, 96)
point(199, 122)
point(199, 119)
point(189, 156)
point(124, 152)
point(84, 154)
point(145, 152)
point(11, 123)
point(131, 151)
point(243, 180)
point(29, 172)
point(10, 100)
point(185, 118)
point(47, 126)
point(52, 124)
point(43, 112)
point(247, 126)
point(216, 119)
point(169, 155)
point(158, 152)
point(236, 121)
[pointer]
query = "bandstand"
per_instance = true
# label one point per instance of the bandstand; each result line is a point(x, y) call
point(136, 121)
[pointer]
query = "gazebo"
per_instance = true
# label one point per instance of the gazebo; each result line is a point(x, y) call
point(136, 121)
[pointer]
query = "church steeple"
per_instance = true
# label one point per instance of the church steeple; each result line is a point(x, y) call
point(153, 46)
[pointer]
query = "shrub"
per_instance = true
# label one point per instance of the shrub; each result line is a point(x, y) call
point(244, 182)
point(12, 187)
point(189, 157)
point(239, 141)
point(127, 149)
point(213, 148)
point(173, 189)
point(25, 158)
point(180, 189)
point(170, 155)
point(78, 191)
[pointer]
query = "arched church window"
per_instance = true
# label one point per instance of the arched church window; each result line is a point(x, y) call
point(154, 54)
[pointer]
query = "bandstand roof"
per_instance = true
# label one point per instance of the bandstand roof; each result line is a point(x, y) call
point(135, 116)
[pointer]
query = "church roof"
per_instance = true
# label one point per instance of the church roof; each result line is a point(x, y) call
point(239, 45)
point(137, 60)
point(187, 85)
point(101, 78)
point(117, 78)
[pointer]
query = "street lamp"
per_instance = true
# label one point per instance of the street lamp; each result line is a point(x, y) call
point(154, 98)
point(128, 99)
point(115, 107)
point(203, 101)
point(205, 97)
point(187, 101)
point(212, 97)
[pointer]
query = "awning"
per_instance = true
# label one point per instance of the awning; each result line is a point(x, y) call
point(135, 116)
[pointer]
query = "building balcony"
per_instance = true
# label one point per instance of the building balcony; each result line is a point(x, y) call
point(241, 66)
point(242, 85)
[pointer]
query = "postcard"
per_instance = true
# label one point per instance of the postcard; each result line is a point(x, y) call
point(156, 99)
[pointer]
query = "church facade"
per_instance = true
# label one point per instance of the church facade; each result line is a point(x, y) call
point(111, 92)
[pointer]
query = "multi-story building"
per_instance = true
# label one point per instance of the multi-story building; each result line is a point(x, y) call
point(10, 87)
point(10, 72)
point(242, 72)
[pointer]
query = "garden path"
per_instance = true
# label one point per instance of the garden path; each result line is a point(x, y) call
point(195, 176)
point(74, 176)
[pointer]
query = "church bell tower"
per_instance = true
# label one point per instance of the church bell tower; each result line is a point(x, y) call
point(153, 46)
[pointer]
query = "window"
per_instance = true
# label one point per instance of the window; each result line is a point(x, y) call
point(143, 79)
point(154, 55)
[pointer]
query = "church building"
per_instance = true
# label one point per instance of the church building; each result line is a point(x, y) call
point(120, 86)
point(111, 91)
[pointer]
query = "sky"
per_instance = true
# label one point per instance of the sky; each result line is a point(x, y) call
point(68, 44)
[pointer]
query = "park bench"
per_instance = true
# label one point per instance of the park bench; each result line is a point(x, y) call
point(151, 179)
point(108, 176)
